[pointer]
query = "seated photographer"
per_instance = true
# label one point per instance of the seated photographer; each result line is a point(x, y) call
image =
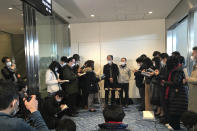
point(9, 104)
point(53, 110)
point(66, 125)
point(113, 115)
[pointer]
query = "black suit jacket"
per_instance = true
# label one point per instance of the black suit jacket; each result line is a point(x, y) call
point(115, 73)
point(8, 74)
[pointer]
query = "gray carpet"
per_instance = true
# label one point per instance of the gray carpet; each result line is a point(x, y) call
point(88, 121)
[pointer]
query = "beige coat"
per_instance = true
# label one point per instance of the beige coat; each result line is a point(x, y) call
point(193, 89)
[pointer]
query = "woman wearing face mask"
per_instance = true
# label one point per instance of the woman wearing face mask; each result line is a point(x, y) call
point(123, 80)
point(52, 78)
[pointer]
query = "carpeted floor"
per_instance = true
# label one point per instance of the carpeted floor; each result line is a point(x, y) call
point(88, 121)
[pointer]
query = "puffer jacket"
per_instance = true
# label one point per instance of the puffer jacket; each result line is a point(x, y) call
point(178, 100)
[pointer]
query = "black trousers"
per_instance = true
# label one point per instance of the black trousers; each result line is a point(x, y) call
point(124, 89)
point(142, 95)
point(71, 101)
point(107, 96)
point(174, 121)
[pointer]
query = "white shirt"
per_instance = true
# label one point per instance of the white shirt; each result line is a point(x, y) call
point(51, 82)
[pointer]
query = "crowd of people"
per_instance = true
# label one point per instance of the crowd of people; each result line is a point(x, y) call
point(162, 82)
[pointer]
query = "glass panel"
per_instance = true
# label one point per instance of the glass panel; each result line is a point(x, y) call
point(180, 38)
point(61, 37)
point(169, 42)
point(47, 50)
point(53, 39)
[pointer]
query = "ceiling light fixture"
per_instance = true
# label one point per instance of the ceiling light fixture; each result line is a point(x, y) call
point(10, 8)
point(150, 12)
point(92, 15)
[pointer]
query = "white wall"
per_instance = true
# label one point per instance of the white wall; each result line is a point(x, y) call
point(121, 39)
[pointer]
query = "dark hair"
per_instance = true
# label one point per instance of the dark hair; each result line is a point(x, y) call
point(156, 53)
point(124, 58)
point(53, 65)
point(157, 62)
point(3, 60)
point(59, 93)
point(189, 119)
point(89, 63)
point(64, 59)
point(182, 60)
point(76, 57)
point(113, 113)
point(172, 62)
point(8, 93)
point(164, 55)
point(195, 48)
point(70, 59)
point(139, 59)
point(176, 53)
point(111, 56)
point(143, 56)
point(147, 63)
point(66, 125)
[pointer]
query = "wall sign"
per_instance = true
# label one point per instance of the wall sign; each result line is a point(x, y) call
point(43, 6)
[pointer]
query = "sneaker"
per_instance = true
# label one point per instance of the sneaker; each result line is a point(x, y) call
point(169, 127)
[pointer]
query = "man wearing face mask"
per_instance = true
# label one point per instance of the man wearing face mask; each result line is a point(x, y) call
point(70, 88)
point(139, 81)
point(9, 102)
point(111, 73)
point(192, 80)
point(123, 80)
point(63, 63)
point(9, 71)
point(76, 66)
point(51, 107)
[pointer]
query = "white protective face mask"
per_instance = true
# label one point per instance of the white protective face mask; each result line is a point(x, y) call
point(8, 64)
point(162, 63)
point(59, 100)
point(122, 63)
point(109, 62)
point(15, 109)
point(73, 64)
point(192, 58)
point(56, 69)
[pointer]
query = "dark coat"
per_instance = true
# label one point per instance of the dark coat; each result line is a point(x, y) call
point(70, 87)
point(139, 79)
point(8, 74)
point(50, 108)
point(115, 73)
point(113, 127)
point(92, 82)
point(178, 101)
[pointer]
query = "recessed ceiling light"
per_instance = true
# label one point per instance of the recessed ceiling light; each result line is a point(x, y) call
point(92, 15)
point(150, 12)
point(10, 8)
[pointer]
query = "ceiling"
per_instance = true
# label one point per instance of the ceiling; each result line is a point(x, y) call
point(11, 20)
point(80, 11)
point(116, 10)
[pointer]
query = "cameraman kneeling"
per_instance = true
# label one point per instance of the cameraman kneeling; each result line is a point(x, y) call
point(9, 102)
point(53, 110)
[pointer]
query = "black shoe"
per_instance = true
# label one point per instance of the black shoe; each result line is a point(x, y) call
point(73, 115)
point(141, 109)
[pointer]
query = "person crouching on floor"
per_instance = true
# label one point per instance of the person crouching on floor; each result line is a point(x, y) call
point(53, 110)
point(113, 115)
